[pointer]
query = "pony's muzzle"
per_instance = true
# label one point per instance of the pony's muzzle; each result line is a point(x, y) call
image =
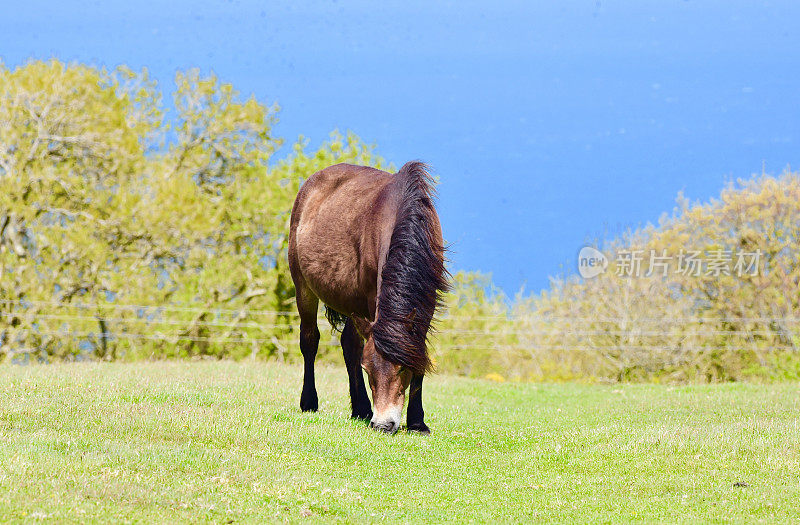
point(389, 427)
point(388, 421)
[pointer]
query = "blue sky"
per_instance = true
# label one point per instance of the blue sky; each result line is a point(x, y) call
point(550, 124)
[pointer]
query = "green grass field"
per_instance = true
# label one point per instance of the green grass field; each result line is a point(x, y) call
point(226, 442)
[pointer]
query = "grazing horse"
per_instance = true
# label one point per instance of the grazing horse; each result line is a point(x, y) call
point(368, 244)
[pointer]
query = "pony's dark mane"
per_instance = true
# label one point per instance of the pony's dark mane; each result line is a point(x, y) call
point(413, 278)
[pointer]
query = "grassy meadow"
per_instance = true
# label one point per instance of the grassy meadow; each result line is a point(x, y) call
point(225, 442)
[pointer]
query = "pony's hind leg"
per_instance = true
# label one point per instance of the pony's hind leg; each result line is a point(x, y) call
point(307, 304)
point(415, 413)
point(352, 347)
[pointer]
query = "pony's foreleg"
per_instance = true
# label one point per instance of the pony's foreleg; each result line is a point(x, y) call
point(352, 348)
point(307, 304)
point(415, 414)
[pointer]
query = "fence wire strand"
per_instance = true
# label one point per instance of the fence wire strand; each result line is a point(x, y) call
point(246, 326)
point(445, 317)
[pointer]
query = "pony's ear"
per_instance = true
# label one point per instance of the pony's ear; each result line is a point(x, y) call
point(410, 319)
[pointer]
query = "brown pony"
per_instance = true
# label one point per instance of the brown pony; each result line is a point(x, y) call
point(368, 244)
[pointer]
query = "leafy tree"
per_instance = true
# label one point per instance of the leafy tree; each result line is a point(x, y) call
point(106, 202)
point(704, 325)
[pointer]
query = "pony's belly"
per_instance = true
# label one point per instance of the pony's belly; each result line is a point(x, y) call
point(331, 270)
point(338, 294)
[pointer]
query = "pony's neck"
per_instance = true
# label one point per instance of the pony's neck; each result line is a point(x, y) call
point(413, 276)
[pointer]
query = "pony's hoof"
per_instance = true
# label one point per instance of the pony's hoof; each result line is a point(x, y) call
point(309, 404)
point(422, 430)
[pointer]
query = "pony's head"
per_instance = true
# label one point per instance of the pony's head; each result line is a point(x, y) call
point(388, 382)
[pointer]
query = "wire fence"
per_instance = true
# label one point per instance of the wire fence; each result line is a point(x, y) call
point(521, 331)
point(154, 309)
point(490, 342)
point(245, 326)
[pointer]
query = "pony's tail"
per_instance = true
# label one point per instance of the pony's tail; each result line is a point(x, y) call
point(336, 319)
point(414, 277)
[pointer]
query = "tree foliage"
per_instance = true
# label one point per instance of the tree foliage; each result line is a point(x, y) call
point(105, 201)
point(679, 326)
